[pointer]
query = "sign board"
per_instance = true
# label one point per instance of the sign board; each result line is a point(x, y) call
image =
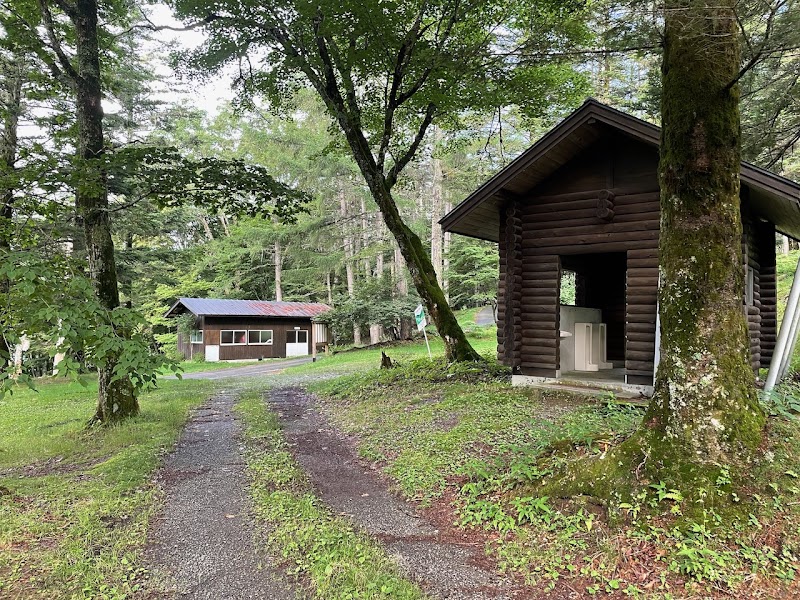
point(419, 315)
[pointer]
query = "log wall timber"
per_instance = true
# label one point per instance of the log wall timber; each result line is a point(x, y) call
point(501, 290)
point(509, 326)
point(752, 306)
point(765, 234)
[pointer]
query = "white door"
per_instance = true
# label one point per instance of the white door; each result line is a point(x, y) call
point(212, 353)
point(297, 342)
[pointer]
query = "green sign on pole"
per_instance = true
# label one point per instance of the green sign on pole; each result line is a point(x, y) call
point(419, 317)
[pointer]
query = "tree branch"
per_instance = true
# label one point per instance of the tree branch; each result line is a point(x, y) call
point(55, 43)
point(400, 164)
point(403, 57)
point(211, 17)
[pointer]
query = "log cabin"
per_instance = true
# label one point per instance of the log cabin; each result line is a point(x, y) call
point(250, 329)
point(576, 219)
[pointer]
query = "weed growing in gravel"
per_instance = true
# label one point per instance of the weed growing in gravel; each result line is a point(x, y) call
point(74, 505)
point(340, 563)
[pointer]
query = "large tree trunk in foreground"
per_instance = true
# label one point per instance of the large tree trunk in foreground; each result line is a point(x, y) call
point(705, 405)
point(13, 74)
point(117, 398)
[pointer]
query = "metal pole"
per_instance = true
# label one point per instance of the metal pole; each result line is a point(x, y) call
point(783, 336)
point(427, 343)
point(791, 344)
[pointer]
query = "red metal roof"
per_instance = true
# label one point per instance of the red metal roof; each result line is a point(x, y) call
point(214, 307)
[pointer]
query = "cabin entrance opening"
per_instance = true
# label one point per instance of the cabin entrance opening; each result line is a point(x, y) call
point(592, 316)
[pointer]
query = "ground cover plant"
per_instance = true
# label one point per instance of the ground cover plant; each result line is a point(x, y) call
point(465, 443)
point(323, 550)
point(74, 504)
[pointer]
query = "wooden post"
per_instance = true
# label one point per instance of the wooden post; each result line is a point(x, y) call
point(313, 342)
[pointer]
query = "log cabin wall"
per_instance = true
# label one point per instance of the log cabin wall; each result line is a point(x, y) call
point(765, 236)
point(279, 327)
point(501, 291)
point(606, 200)
point(509, 298)
point(758, 249)
point(752, 267)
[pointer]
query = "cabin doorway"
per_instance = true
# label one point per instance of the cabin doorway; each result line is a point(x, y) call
point(592, 294)
point(297, 342)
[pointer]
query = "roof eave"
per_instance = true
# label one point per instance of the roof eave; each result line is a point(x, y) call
point(646, 132)
point(169, 313)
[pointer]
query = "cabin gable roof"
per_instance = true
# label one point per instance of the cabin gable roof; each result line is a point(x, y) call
point(215, 307)
point(771, 196)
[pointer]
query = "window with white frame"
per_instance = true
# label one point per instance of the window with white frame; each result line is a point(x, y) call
point(297, 337)
point(259, 337)
point(233, 337)
point(196, 336)
point(750, 287)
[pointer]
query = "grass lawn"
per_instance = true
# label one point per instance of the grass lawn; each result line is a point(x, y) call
point(75, 504)
point(483, 339)
point(466, 443)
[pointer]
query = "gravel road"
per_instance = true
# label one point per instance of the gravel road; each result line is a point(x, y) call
point(202, 541)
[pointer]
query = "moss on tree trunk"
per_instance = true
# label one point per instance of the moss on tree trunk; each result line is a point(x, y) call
point(13, 73)
point(705, 412)
point(705, 405)
point(116, 398)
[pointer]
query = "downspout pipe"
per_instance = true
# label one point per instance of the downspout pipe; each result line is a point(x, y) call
point(787, 324)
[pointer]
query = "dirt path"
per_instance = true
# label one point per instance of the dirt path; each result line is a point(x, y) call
point(448, 566)
point(485, 316)
point(201, 543)
point(255, 369)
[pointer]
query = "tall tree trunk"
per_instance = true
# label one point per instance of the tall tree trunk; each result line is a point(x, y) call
point(329, 288)
point(418, 260)
point(705, 404)
point(278, 271)
point(116, 398)
point(448, 206)
point(127, 283)
point(399, 272)
point(437, 208)
point(206, 228)
point(348, 259)
point(365, 236)
point(13, 75)
point(223, 220)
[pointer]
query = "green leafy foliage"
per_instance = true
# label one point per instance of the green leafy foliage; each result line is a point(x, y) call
point(54, 304)
point(173, 179)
